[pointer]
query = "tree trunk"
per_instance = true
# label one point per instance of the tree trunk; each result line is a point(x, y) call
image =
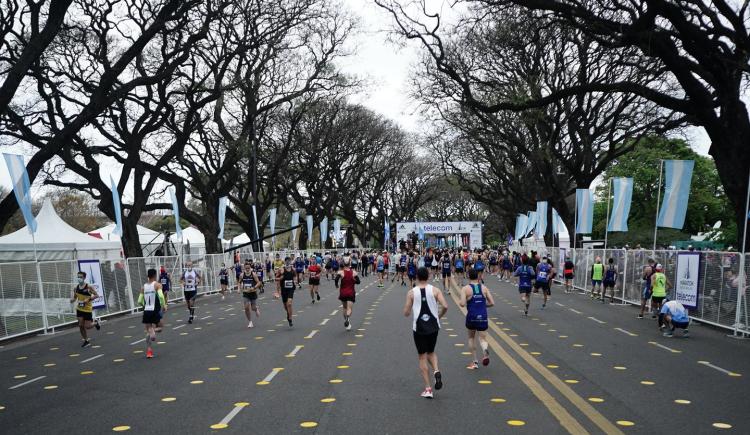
point(131, 243)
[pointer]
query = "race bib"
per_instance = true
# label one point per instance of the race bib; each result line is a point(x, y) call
point(81, 304)
point(149, 299)
point(289, 283)
point(163, 281)
point(542, 274)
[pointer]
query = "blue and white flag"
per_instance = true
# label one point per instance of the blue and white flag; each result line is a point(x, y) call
point(521, 222)
point(585, 211)
point(222, 215)
point(176, 212)
point(679, 174)
point(324, 230)
point(556, 221)
point(623, 188)
point(541, 219)
point(295, 222)
point(387, 233)
point(21, 188)
point(530, 224)
point(118, 209)
point(337, 229)
point(255, 218)
point(309, 227)
point(272, 219)
point(420, 231)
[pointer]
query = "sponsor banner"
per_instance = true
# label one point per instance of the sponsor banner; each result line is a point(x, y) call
point(93, 271)
point(687, 279)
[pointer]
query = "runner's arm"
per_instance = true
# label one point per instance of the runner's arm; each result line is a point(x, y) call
point(257, 281)
point(462, 302)
point(408, 304)
point(441, 300)
point(488, 296)
point(162, 301)
point(93, 292)
point(140, 298)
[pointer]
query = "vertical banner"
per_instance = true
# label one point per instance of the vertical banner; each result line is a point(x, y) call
point(387, 235)
point(222, 215)
point(541, 219)
point(272, 224)
point(324, 230)
point(255, 218)
point(687, 279)
point(309, 228)
point(117, 208)
point(337, 229)
point(521, 221)
point(93, 270)
point(531, 223)
point(679, 174)
point(21, 187)
point(585, 210)
point(623, 188)
point(176, 212)
point(420, 231)
point(555, 222)
point(295, 222)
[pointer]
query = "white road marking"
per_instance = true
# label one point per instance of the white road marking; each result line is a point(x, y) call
point(601, 322)
point(626, 332)
point(312, 334)
point(178, 327)
point(334, 312)
point(26, 383)
point(559, 304)
point(296, 349)
point(324, 321)
point(92, 358)
point(575, 311)
point(272, 375)
point(664, 347)
point(204, 318)
point(708, 364)
point(139, 341)
point(233, 413)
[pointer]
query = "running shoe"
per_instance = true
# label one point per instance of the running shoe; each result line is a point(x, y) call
point(438, 380)
point(190, 319)
point(317, 295)
point(427, 393)
point(97, 325)
point(486, 359)
point(653, 316)
point(153, 337)
point(544, 305)
point(85, 343)
point(640, 316)
point(668, 334)
point(313, 301)
point(250, 325)
point(290, 322)
point(149, 353)
point(347, 325)
point(686, 333)
point(473, 366)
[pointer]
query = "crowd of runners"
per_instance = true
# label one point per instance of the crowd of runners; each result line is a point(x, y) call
point(462, 270)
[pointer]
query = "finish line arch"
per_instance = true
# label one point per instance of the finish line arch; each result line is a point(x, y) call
point(454, 230)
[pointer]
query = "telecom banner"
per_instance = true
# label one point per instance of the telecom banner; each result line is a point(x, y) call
point(687, 279)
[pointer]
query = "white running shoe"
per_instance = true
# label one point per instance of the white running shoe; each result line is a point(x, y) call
point(250, 325)
point(427, 393)
point(349, 326)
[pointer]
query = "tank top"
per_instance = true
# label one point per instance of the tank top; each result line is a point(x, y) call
point(611, 273)
point(82, 303)
point(524, 273)
point(412, 267)
point(446, 265)
point(164, 280)
point(459, 263)
point(248, 283)
point(543, 273)
point(402, 260)
point(597, 272)
point(381, 264)
point(190, 277)
point(476, 308)
point(347, 284)
point(151, 301)
point(424, 311)
point(660, 285)
point(287, 280)
point(299, 266)
point(479, 265)
point(223, 274)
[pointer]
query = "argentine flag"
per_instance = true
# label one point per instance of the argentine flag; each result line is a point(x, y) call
point(541, 219)
point(116, 205)
point(623, 188)
point(531, 223)
point(222, 215)
point(555, 222)
point(324, 229)
point(521, 222)
point(585, 210)
point(21, 188)
point(679, 174)
point(295, 222)
point(309, 227)
point(176, 212)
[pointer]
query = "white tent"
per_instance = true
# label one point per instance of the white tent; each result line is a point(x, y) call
point(193, 237)
point(244, 238)
point(55, 240)
point(145, 235)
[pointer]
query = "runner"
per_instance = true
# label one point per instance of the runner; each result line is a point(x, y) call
point(190, 280)
point(237, 272)
point(569, 274)
point(299, 268)
point(597, 274)
point(365, 264)
point(544, 275)
point(648, 271)
point(610, 277)
point(380, 264)
point(278, 267)
point(83, 295)
point(223, 280)
point(386, 264)
point(259, 274)
point(411, 269)
point(659, 285)
point(335, 269)
point(525, 273)
point(166, 284)
point(479, 267)
point(459, 264)
point(674, 315)
point(402, 260)
point(327, 259)
point(347, 292)
point(422, 304)
point(446, 269)
point(476, 298)
point(286, 278)
point(314, 280)
point(397, 262)
point(493, 263)
point(250, 285)
point(507, 265)
point(152, 300)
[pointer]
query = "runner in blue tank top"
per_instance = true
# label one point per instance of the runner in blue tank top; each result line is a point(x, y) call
point(476, 298)
point(524, 273)
point(545, 272)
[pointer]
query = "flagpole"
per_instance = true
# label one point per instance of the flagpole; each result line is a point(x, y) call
point(658, 200)
point(606, 222)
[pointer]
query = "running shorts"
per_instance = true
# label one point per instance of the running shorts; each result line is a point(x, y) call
point(596, 282)
point(447, 274)
point(224, 281)
point(250, 296)
point(609, 284)
point(526, 290)
point(681, 325)
point(646, 292)
point(190, 295)
point(151, 317)
point(459, 270)
point(328, 267)
point(87, 315)
point(286, 294)
point(657, 299)
point(476, 326)
point(569, 276)
point(539, 284)
point(425, 343)
point(546, 289)
point(314, 281)
point(351, 299)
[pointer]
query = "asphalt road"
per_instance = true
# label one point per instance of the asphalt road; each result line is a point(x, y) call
point(577, 366)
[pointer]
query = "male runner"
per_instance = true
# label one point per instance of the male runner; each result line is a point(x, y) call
point(83, 295)
point(299, 268)
point(380, 262)
point(445, 263)
point(568, 274)
point(507, 265)
point(152, 300)
point(286, 279)
point(237, 272)
point(525, 273)
point(190, 280)
point(648, 271)
point(259, 273)
point(335, 268)
point(314, 280)
point(223, 280)
point(459, 264)
point(166, 284)
point(422, 304)
point(479, 267)
point(493, 263)
point(250, 284)
point(327, 260)
point(544, 275)
point(659, 284)
point(597, 275)
point(411, 269)
point(610, 278)
point(476, 298)
point(674, 315)
point(347, 292)
point(402, 259)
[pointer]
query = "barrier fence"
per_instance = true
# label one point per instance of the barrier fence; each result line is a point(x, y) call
point(721, 301)
point(38, 300)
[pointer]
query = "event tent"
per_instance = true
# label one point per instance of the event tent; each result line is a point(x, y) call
point(145, 235)
point(244, 238)
point(55, 240)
